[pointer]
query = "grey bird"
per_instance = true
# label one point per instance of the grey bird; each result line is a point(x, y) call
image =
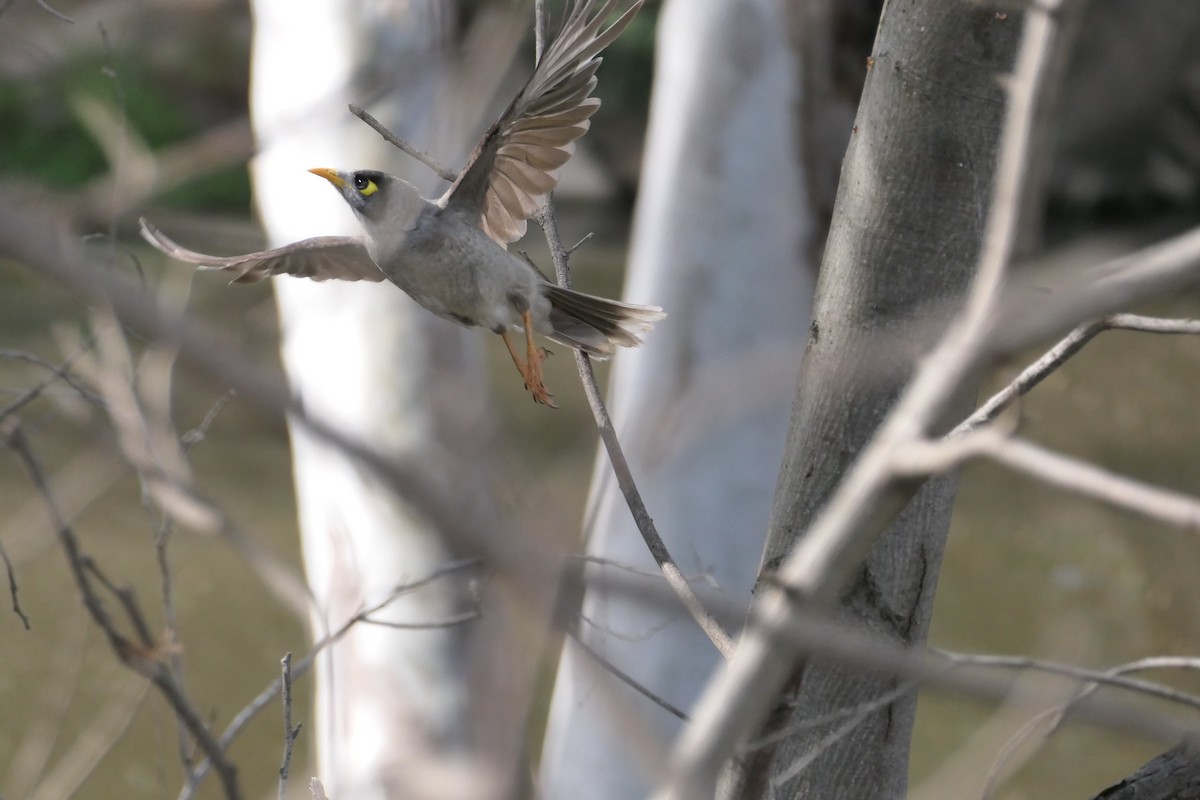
point(450, 254)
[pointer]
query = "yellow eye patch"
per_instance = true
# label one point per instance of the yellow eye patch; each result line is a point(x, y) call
point(364, 185)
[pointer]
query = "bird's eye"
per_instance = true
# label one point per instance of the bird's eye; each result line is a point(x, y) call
point(365, 186)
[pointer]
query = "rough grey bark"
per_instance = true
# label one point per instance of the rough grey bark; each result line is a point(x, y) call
point(905, 235)
point(1174, 775)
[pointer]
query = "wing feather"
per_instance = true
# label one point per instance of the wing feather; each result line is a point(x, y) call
point(516, 162)
point(322, 258)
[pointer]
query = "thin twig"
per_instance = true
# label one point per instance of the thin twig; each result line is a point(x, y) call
point(608, 435)
point(539, 30)
point(442, 172)
point(624, 475)
point(301, 667)
point(1076, 475)
point(128, 601)
point(162, 541)
point(289, 733)
point(1063, 351)
point(1114, 677)
point(1031, 376)
point(12, 586)
point(448, 622)
point(1146, 324)
point(570, 251)
point(197, 434)
point(59, 372)
point(921, 458)
point(1092, 681)
point(601, 561)
point(141, 660)
point(52, 12)
point(627, 679)
point(832, 640)
point(1028, 314)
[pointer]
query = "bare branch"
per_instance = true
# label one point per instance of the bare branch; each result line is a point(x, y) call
point(992, 679)
point(921, 458)
point(142, 660)
point(608, 434)
point(627, 679)
point(1031, 376)
point(539, 30)
point(1145, 324)
point(12, 586)
point(52, 12)
point(60, 372)
point(625, 481)
point(1050, 720)
point(1114, 677)
point(1087, 479)
point(570, 251)
point(1061, 352)
point(442, 172)
point(267, 695)
point(1028, 315)
point(289, 733)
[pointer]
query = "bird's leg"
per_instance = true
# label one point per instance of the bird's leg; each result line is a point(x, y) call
point(531, 368)
point(534, 356)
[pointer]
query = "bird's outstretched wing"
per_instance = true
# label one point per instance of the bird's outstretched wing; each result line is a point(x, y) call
point(322, 258)
point(516, 162)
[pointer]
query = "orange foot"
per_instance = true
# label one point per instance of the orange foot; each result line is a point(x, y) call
point(531, 369)
point(532, 373)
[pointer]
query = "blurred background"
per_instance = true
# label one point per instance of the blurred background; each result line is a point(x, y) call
point(1029, 570)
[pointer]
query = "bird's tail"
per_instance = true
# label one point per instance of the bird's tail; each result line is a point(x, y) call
point(597, 325)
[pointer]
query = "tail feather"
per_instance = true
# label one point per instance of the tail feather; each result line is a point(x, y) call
point(597, 325)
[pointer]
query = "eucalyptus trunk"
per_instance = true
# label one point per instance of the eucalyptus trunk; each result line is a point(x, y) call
point(392, 705)
point(722, 239)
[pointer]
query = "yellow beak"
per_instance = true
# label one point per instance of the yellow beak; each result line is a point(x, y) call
point(329, 175)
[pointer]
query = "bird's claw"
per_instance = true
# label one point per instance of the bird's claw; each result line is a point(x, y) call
point(533, 380)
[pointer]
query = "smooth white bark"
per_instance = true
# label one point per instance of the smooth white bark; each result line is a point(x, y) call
point(368, 359)
point(722, 240)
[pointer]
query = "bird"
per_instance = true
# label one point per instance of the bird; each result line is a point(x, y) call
point(451, 254)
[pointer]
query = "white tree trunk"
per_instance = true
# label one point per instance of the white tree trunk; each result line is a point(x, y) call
point(722, 239)
point(367, 359)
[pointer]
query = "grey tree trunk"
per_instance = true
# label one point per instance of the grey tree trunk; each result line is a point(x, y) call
point(904, 238)
point(1174, 775)
point(722, 238)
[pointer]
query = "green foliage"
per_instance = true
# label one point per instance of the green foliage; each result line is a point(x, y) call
point(41, 138)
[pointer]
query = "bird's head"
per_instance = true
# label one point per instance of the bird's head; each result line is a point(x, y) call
point(374, 197)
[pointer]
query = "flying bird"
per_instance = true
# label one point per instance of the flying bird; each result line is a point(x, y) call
point(450, 254)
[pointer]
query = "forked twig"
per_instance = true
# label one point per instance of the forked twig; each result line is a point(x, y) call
point(267, 695)
point(144, 660)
